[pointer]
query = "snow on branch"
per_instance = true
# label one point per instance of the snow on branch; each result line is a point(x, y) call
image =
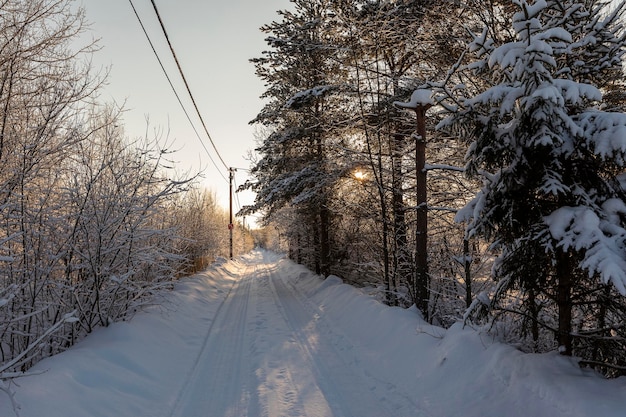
point(67, 318)
point(605, 133)
point(302, 98)
point(420, 97)
point(444, 167)
point(596, 236)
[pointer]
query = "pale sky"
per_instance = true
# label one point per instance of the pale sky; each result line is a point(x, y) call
point(213, 39)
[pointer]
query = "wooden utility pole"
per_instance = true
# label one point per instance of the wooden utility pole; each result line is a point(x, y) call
point(231, 225)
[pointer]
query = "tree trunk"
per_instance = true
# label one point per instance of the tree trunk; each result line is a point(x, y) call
point(402, 259)
point(324, 240)
point(534, 314)
point(422, 279)
point(318, 251)
point(467, 261)
point(564, 303)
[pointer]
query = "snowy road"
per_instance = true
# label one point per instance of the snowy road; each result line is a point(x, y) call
point(262, 336)
point(269, 352)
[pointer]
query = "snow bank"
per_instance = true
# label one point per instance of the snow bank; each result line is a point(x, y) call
point(136, 368)
point(459, 371)
point(129, 368)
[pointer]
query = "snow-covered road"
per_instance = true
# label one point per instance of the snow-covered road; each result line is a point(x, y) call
point(262, 336)
point(269, 352)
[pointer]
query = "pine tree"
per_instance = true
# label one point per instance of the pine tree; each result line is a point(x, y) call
point(295, 170)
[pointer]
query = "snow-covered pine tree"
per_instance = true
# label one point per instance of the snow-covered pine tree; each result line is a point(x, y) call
point(297, 170)
point(551, 155)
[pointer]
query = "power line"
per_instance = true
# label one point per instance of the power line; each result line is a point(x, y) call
point(176, 94)
point(182, 74)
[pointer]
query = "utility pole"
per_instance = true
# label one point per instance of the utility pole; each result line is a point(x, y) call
point(231, 225)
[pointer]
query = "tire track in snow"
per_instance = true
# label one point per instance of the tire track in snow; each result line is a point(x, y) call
point(285, 380)
point(201, 351)
point(403, 403)
point(207, 390)
point(270, 352)
point(347, 393)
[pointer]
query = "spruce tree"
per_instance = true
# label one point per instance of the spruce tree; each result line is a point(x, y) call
point(550, 154)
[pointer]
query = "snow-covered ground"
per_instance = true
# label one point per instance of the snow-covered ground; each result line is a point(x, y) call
point(262, 336)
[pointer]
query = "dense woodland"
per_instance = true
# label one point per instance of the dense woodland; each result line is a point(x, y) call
point(525, 150)
point(93, 223)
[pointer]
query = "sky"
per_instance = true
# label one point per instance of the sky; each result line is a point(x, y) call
point(213, 40)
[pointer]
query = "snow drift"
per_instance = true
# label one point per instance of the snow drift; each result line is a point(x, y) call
point(135, 368)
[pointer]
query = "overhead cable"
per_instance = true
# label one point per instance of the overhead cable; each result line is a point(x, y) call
point(182, 74)
point(219, 170)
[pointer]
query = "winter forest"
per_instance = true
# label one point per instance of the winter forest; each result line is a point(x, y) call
point(465, 157)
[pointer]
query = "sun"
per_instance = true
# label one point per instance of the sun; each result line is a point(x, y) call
point(359, 175)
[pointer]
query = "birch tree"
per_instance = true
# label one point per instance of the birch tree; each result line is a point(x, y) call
point(82, 237)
